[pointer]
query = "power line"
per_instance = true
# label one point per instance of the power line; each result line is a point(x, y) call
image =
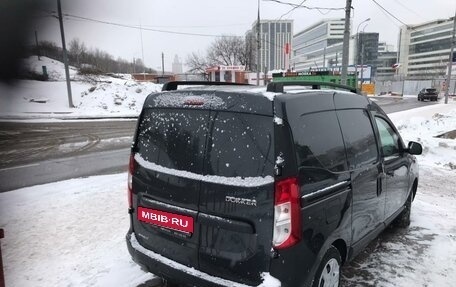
point(407, 8)
point(147, 28)
point(301, 5)
point(389, 13)
point(142, 28)
point(292, 9)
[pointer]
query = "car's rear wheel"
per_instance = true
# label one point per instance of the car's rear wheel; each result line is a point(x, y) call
point(328, 273)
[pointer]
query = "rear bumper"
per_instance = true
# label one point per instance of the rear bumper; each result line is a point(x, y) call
point(429, 96)
point(176, 272)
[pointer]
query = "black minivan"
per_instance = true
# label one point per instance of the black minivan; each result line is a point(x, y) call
point(234, 185)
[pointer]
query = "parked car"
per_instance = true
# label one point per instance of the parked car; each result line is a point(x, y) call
point(428, 94)
point(240, 185)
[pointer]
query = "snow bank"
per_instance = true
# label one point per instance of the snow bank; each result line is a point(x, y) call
point(93, 96)
point(423, 125)
point(55, 69)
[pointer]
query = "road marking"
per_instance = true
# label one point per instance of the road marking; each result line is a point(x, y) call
point(20, 166)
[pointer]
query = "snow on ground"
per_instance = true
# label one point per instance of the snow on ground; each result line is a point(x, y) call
point(93, 96)
point(55, 69)
point(71, 233)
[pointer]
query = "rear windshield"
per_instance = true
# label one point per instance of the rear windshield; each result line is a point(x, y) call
point(173, 138)
point(430, 90)
point(203, 142)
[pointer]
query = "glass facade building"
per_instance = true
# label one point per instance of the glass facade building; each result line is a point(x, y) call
point(274, 36)
point(318, 46)
point(424, 49)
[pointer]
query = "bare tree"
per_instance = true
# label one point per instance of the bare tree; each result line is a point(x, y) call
point(226, 50)
point(77, 49)
point(197, 63)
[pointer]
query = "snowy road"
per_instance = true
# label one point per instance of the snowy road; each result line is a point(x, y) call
point(41, 152)
point(28, 142)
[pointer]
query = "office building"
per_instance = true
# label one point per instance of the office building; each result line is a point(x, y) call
point(318, 46)
point(424, 49)
point(387, 57)
point(366, 50)
point(275, 35)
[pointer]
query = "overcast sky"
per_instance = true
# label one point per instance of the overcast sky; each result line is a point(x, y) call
point(213, 17)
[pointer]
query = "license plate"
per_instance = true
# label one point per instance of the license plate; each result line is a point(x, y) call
point(166, 219)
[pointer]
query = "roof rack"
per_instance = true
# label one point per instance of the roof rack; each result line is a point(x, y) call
point(172, 86)
point(277, 87)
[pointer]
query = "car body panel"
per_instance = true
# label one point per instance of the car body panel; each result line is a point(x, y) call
point(301, 134)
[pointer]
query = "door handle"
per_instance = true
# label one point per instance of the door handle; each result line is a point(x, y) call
point(379, 186)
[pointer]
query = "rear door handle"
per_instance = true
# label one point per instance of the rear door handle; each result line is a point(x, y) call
point(379, 185)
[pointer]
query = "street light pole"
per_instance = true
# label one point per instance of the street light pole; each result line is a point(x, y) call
point(356, 53)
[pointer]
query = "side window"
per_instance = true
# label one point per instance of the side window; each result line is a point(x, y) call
point(319, 144)
point(359, 137)
point(388, 137)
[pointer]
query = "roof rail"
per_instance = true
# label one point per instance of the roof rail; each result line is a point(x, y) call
point(172, 86)
point(277, 87)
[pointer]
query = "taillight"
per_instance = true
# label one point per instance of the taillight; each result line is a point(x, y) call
point(131, 170)
point(287, 214)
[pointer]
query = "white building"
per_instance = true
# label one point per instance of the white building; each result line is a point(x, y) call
point(319, 46)
point(177, 66)
point(274, 36)
point(424, 49)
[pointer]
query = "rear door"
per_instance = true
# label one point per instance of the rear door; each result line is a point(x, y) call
point(169, 152)
point(366, 172)
point(237, 196)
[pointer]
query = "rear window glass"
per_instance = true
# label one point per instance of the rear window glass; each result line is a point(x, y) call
point(237, 144)
point(430, 90)
point(240, 145)
point(173, 138)
point(359, 137)
point(318, 142)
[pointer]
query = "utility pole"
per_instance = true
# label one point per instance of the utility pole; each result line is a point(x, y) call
point(37, 46)
point(345, 48)
point(450, 60)
point(163, 64)
point(362, 67)
point(142, 51)
point(258, 45)
point(65, 56)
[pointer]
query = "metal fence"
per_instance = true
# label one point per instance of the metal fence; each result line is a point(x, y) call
point(412, 87)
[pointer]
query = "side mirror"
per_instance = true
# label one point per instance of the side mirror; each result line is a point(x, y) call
point(414, 148)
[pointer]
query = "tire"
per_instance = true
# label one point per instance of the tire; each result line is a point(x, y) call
point(403, 219)
point(328, 273)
